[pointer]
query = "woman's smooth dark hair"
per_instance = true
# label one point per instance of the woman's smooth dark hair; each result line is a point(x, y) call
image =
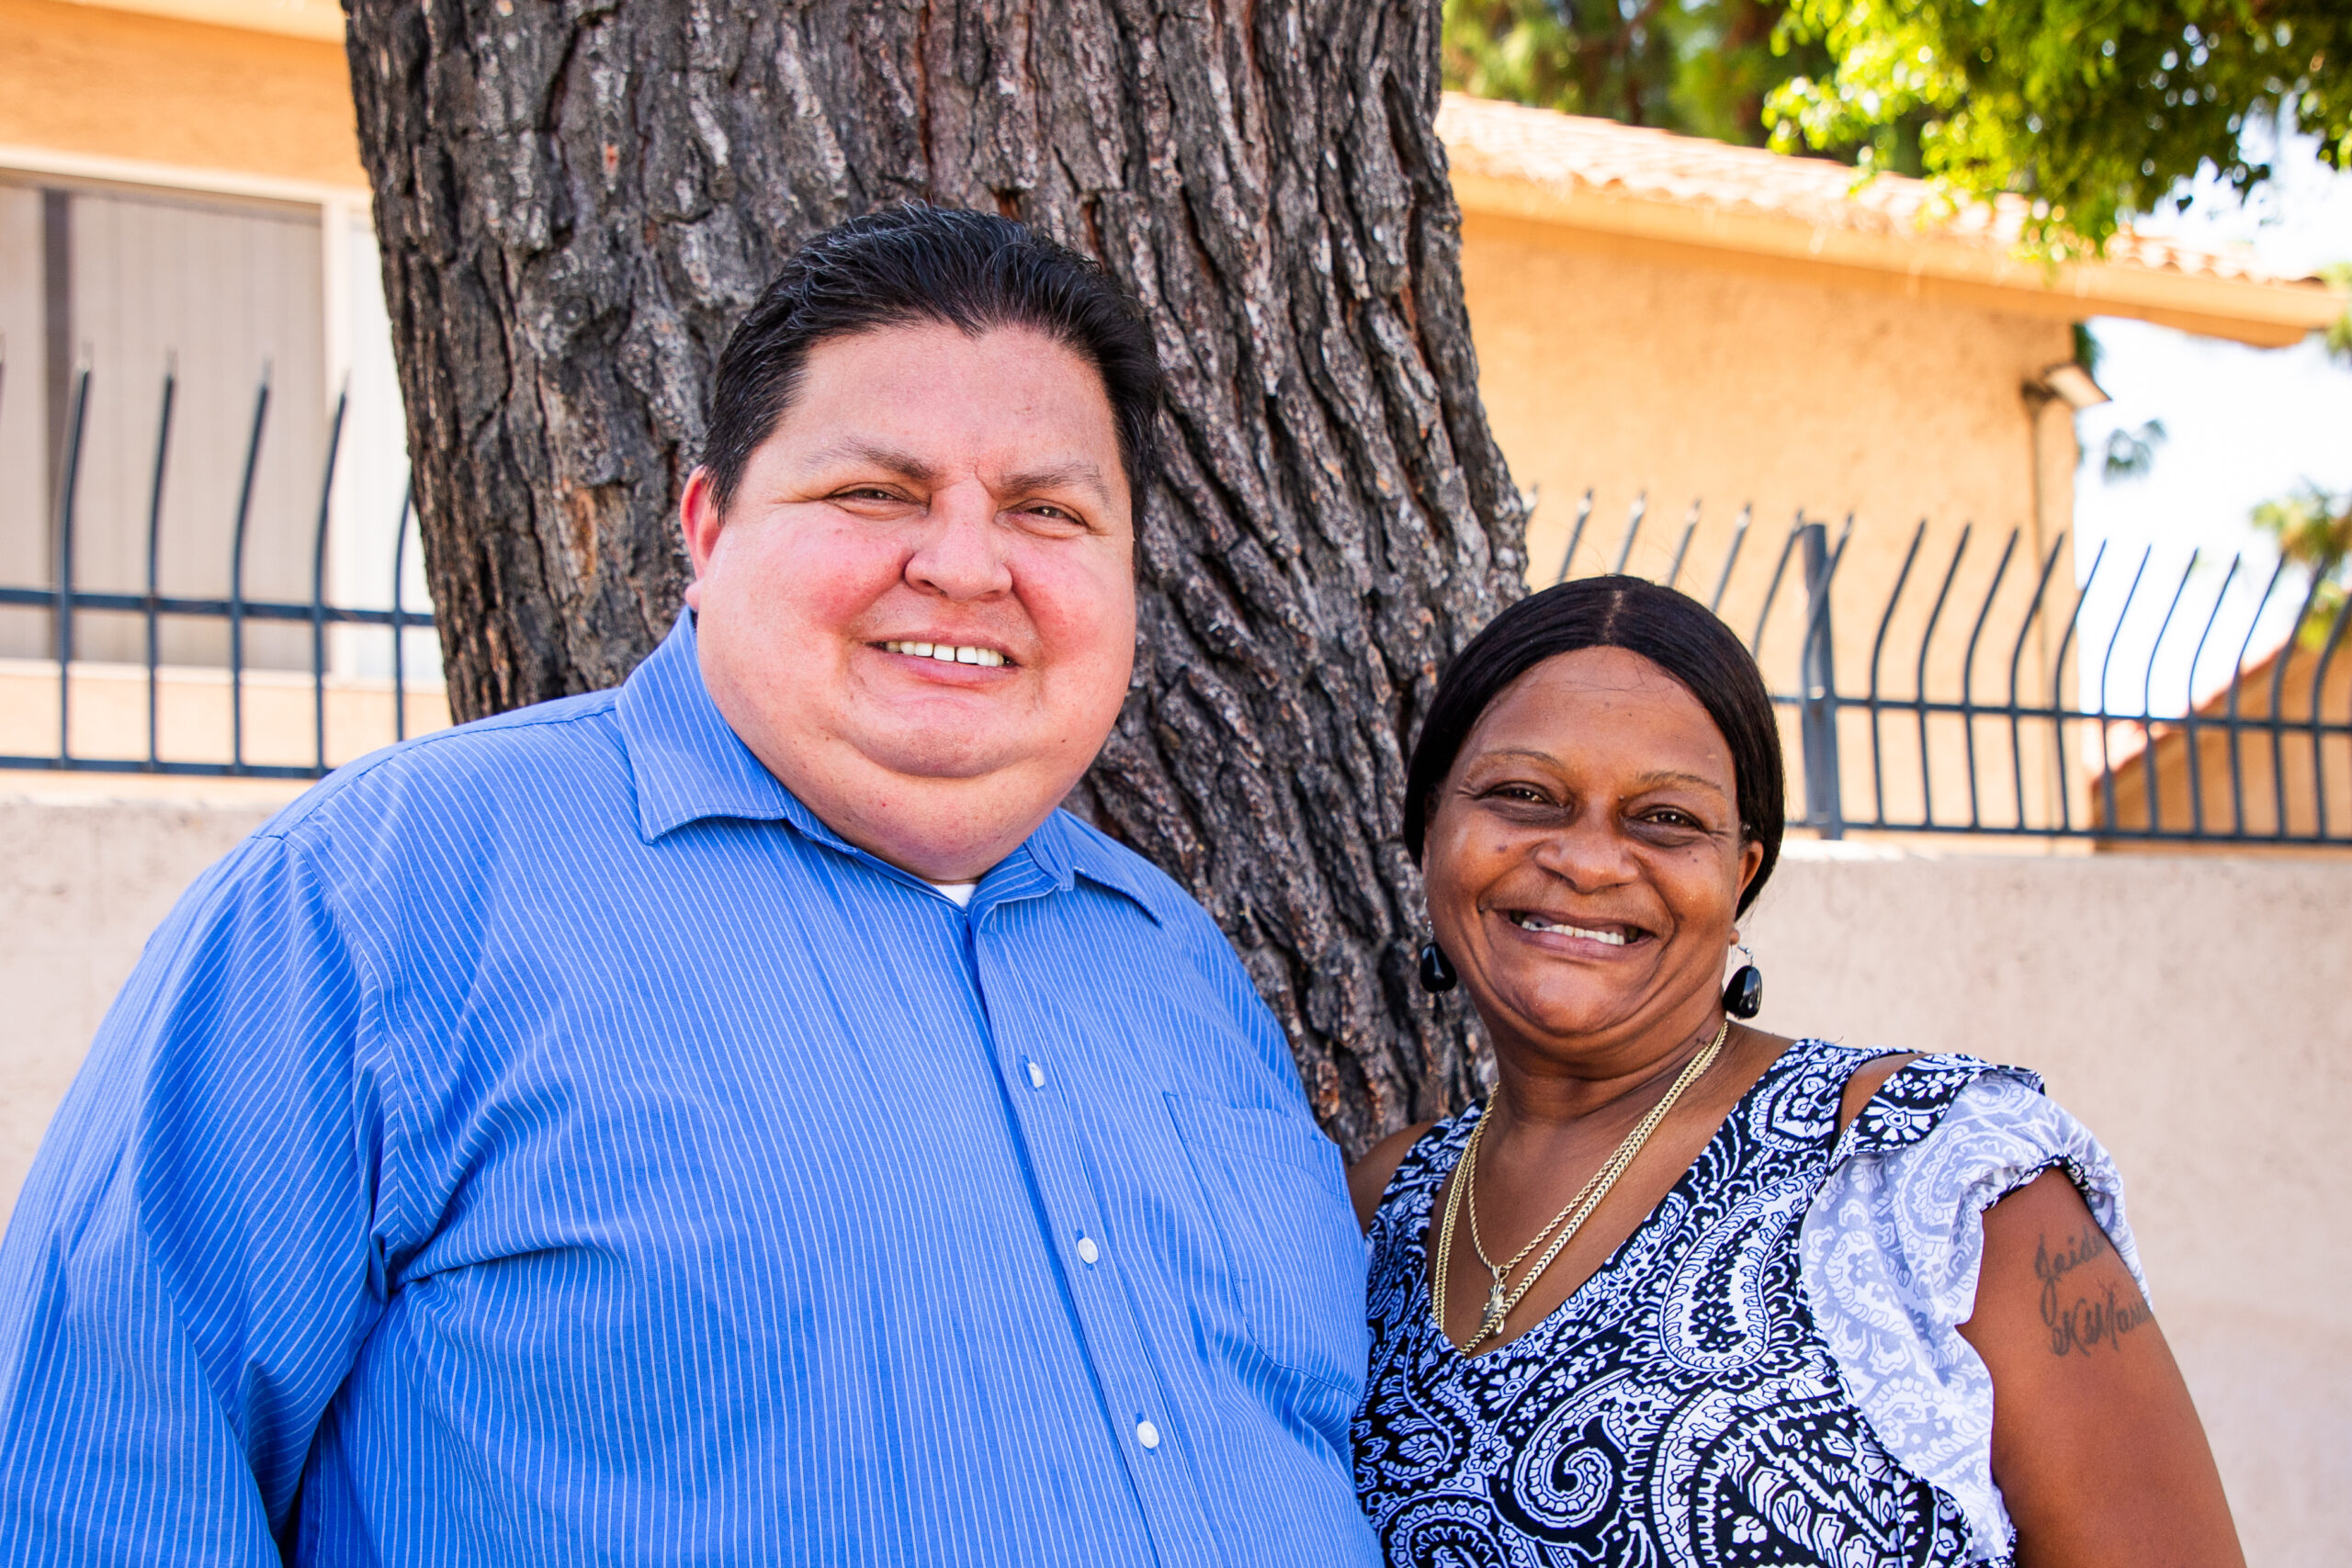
point(912, 264)
point(1671, 630)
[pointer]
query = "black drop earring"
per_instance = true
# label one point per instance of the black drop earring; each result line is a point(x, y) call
point(1743, 997)
point(1437, 975)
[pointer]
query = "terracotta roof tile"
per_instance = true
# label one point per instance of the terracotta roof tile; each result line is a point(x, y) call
point(1570, 155)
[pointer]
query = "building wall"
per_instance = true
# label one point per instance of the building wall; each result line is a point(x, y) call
point(174, 192)
point(119, 84)
point(1603, 364)
point(270, 719)
point(86, 871)
point(2245, 792)
point(2191, 1010)
point(1626, 367)
point(2180, 1005)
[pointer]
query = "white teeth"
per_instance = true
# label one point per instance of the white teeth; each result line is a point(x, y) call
point(948, 653)
point(1529, 922)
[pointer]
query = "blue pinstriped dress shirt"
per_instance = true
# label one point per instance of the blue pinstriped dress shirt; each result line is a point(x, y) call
point(546, 1143)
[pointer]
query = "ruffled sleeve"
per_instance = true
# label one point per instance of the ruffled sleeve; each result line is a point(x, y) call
point(1891, 1249)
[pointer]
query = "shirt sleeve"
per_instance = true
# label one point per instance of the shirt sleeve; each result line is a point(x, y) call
point(1890, 1253)
point(190, 1269)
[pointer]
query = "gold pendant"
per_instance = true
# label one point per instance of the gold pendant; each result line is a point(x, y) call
point(1497, 1309)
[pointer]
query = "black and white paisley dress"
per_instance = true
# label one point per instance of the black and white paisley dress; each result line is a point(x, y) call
point(1766, 1372)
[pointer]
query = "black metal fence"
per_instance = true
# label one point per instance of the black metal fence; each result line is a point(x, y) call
point(67, 602)
point(1967, 717)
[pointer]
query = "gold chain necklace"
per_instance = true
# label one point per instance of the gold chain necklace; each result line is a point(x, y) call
point(1567, 1223)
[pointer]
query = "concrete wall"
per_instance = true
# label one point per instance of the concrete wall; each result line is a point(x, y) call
point(87, 868)
point(2191, 1010)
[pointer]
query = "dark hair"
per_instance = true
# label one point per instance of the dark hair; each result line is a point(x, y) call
point(1671, 630)
point(913, 263)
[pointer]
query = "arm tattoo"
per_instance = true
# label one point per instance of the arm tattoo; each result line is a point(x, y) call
point(2087, 1321)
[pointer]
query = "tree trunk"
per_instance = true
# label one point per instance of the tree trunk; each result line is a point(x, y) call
point(576, 202)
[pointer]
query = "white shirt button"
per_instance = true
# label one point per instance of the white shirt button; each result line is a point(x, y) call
point(1088, 1253)
point(1147, 1433)
point(1037, 1075)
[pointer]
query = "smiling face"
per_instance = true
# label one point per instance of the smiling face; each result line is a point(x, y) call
point(919, 609)
point(1585, 859)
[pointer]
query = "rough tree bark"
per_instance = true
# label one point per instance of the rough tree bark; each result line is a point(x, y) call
point(577, 200)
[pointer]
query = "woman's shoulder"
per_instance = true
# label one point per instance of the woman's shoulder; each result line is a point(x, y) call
point(1894, 1101)
point(1892, 1247)
point(1371, 1178)
point(1934, 1077)
point(1944, 1137)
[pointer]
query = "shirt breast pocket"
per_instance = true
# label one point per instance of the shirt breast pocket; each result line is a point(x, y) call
point(1275, 1190)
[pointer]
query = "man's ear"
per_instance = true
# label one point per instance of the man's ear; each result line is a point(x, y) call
point(698, 520)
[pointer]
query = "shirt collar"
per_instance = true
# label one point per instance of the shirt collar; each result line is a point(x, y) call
point(1065, 849)
point(688, 763)
point(686, 760)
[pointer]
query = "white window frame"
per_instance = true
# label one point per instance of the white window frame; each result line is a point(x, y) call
point(343, 211)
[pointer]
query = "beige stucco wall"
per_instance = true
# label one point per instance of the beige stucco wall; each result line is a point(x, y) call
point(1626, 367)
point(1609, 364)
point(87, 868)
point(105, 84)
point(2191, 1010)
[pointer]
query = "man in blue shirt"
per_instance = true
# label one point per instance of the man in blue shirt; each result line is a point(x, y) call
point(734, 1118)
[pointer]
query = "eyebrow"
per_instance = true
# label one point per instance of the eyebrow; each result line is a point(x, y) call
point(1667, 776)
point(1081, 474)
point(907, 465)
point(1647, 781)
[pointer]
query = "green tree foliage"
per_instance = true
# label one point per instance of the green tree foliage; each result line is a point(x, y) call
point(2096, 109)
point(2338, 277)
point(2131, 454)
point(2314, 528)
point(1706, 67)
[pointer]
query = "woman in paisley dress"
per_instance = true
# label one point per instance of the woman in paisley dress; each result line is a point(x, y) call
point(1838, 1307)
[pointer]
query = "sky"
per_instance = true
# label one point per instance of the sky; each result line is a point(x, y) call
point(2242, 426)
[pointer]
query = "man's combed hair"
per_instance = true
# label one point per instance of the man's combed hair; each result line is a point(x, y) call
point(1671, 630)
point(914, 264)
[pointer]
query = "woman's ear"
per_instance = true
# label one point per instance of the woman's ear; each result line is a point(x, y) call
point(1751, 859)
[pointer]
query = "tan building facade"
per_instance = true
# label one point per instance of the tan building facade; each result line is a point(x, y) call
point(1727, 329)
point(255, 89)
point(1655, 317)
